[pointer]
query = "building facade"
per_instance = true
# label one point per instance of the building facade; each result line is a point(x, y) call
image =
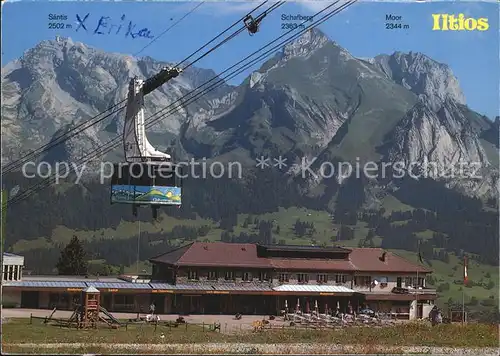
point(227, 278)
point(12, 267)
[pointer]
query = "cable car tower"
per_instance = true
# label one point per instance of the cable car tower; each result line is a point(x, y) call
point(148, 177)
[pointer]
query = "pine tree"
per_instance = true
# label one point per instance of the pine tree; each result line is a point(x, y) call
point(72, 261)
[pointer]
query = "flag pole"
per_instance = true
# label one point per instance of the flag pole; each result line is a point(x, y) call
point(463, 289)
point(463, 306)
point(416, 291)
point(416, 294)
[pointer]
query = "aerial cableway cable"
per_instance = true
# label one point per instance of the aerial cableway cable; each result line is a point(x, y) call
point(246, 66)
point(220, 34)
point(47, 182)
point(169, 28)
point(271, 9)
point(111, 144)
point(18, 163)
point(115, 142)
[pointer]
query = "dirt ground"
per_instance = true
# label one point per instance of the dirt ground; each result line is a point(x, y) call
point(228, 323)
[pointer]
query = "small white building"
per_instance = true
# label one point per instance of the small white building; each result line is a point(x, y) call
point(12, 267)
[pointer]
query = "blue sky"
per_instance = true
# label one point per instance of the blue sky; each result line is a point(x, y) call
point(473, 56)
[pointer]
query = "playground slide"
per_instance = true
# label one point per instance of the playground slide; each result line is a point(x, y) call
point(50, 316)
point(108, 314)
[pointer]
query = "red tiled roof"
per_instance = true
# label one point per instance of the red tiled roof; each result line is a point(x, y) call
point(367, 259)
point(222, 254)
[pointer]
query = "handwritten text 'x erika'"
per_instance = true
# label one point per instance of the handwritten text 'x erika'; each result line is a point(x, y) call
point(81, 23)
point(105, 26)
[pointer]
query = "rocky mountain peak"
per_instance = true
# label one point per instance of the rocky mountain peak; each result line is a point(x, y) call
point(444, 137)
point(422, 75)
point(326, 100)
point(306, 44)
point(59, 83)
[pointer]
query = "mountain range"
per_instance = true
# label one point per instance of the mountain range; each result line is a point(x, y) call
point(313, 102)
point(311, 99)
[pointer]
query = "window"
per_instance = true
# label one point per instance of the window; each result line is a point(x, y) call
point(418, 282)
point(212, 275)
point(421, 282)
point(408, 282)
point(16, 272)
point(164, 175)
point(383, 282)
point(5, 272)
point(263, 276)
point(414, 282)
point(140, 174)
point(283, 277)
point(247, 276)
point(363, 280)
point(340, 278)
point(11, 270)
point(303, 277)
point(124, 299)
point(399, 282)
point(193, 275)
point(322, 278)
point(53, 300)
point(229, 276)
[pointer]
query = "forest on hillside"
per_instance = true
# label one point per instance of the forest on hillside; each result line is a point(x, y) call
point(460, 224)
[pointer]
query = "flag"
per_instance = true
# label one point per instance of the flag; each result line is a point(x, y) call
point(466, 267)
point(419, 253)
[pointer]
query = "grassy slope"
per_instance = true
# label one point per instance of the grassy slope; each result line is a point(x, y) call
point(285, 218)
point(453, 271)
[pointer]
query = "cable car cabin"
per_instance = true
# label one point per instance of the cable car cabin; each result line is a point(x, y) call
point(146, 183)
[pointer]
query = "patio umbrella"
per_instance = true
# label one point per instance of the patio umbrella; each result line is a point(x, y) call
point(307, 307)
point(326, 308)
point(298, 304)
point(338, 305)
point(316, 305)
point(286, 304)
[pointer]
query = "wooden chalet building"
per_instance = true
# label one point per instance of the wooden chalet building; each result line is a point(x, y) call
point(230, 278)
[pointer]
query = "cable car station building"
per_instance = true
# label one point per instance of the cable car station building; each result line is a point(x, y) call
point(230, 278)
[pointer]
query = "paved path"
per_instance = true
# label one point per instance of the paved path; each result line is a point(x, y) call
point(247, 348)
